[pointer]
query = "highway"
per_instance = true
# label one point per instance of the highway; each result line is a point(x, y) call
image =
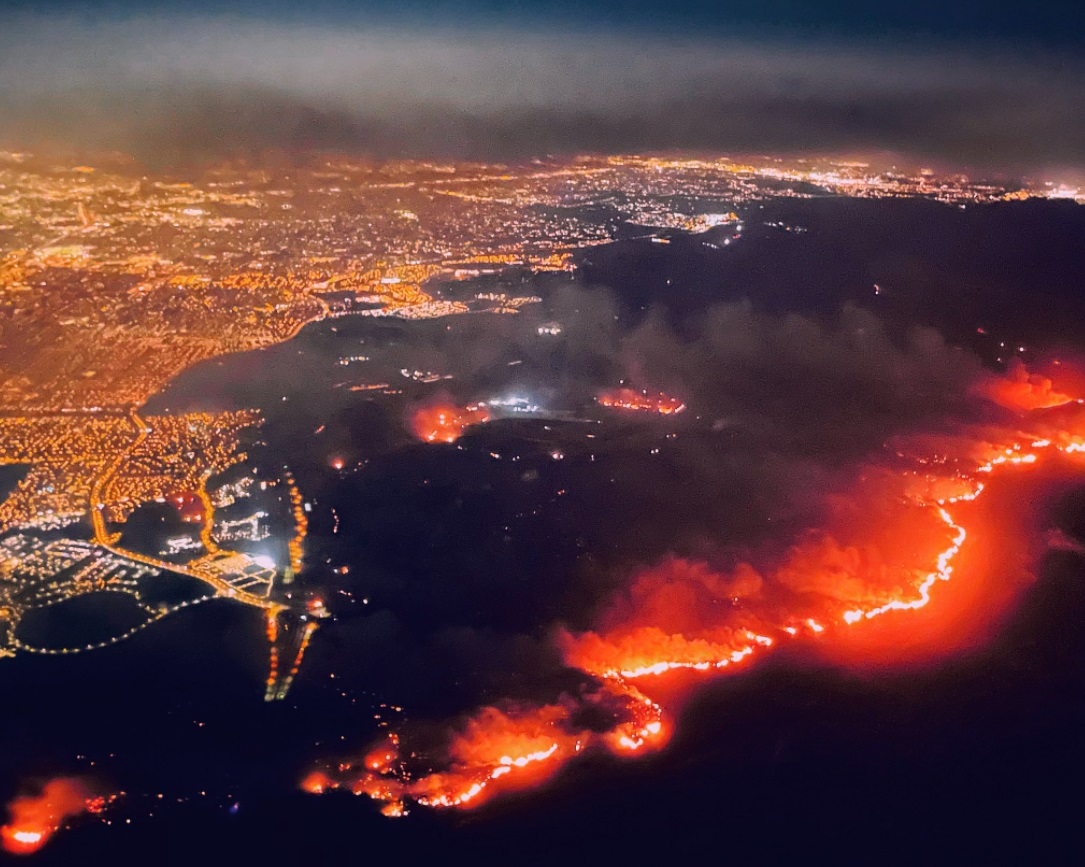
point(97, 504)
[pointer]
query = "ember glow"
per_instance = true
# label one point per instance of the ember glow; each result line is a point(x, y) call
point(445, 423)
point(640, 401)
point(686, 616)
point(1022, 390)
point(33, 819)
point(500, 749)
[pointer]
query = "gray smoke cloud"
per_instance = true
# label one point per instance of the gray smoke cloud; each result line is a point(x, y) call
point(176, 90)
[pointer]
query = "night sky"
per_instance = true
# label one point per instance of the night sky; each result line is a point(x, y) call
point(1047, 23)
point(988, 85)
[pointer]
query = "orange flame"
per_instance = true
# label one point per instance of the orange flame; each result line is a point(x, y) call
point(444, 423)
point(501, 749)
point(33, 819)
point(640, 401)
point(682, 616)
point(1021, 390)
point(317, 783)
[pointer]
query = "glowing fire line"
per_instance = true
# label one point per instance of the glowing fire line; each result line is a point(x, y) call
point(505, 766)
point(646, 728)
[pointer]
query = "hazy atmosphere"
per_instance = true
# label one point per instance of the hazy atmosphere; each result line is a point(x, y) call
point(175, 88)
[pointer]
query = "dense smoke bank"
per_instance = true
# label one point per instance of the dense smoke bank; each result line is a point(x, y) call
point(178, 90)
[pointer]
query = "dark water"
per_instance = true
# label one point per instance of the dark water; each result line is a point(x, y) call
point(466, 559)
point(83, 620)
point(10, 476)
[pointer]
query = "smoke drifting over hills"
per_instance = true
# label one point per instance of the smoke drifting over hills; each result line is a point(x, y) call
point(175, 90)
point(836, 485)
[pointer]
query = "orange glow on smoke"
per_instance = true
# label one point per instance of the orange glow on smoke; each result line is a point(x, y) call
point(640, 401)
point(1022, 390)
point(33, 819)
point(680, 620)
point(444, 423)
point(500, 749)
point(316, 783)
point(943, 572)
point(492, 745)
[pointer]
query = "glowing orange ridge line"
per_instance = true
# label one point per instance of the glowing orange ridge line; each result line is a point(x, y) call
point(634, 734)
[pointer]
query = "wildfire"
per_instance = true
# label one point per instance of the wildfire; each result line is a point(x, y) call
point(943, 573)
point(649, 650)
point(494, 744)
point(640, 401)
point(687, 617)
point(445, 423)
point(632, 651)
point(33, 819)
point(500, 748)
point(317, 783)
point(1022, 390)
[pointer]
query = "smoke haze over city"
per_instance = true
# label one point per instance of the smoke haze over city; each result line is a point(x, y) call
point(176, 88)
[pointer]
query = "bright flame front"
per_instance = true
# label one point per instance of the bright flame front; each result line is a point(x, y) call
point(686, 617)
